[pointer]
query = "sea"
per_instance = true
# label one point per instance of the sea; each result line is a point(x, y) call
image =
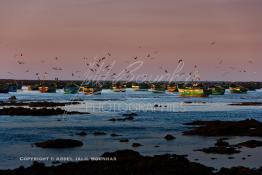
point(158, 114)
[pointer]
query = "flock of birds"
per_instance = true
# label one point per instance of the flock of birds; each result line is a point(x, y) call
point(100, 66)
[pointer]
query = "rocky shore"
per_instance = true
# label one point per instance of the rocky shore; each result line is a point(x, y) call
point(131, 163)
point(38, 104)
point(248, 127)
point(21, 111)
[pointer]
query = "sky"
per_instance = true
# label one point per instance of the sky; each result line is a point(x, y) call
point(222, 39)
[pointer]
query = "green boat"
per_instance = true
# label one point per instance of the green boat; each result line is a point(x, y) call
point(238, 89)
point(158, 88)
point(193, 91)
point(217, 90)
point(71, 89)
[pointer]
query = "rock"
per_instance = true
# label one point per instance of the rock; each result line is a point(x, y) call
point(130, 162)
point(12, 99)
point(169, 137)
point(219, 150)
point(221, 142)
point(238, 171)
point(21, 111)
point(129, 118)
point(82, 133)
point(38, 103)
point(123, 140)
point(249, 127)
point(156, 105)
point(247, 104)
point(136, 145)
point(59, 143)
point(251, 144)
point(99, 133)
point(115, 135)
point(129, 114)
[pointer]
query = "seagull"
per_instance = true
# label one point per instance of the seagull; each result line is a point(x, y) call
point(20, 62)
point(213, 43)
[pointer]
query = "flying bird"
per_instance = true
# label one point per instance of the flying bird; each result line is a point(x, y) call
point(20, 62)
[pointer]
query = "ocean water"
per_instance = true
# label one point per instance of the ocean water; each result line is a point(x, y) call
point(18, 133)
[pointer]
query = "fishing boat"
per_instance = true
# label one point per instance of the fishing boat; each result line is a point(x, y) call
point(119, 87)
point(71, 89)
point(217, 90)
point(237, 89)
point(193, 91)
point(34, 87)
point(12, 87)
point(47, 89)
point(91, 88)
point(4, 88)
point(140, 87)
point(172, 88)
point(158, 88)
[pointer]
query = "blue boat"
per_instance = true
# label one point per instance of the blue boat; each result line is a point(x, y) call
point(12, 88)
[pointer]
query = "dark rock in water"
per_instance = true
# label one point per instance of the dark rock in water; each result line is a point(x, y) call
point(123, 155)
point(20, 111)
point(99, 133)
point(157, 146)
point(231, 157)
point(221, 142)
point(220, 150)
point(59, 143)
point(243, 158)
point(156, 105)
point(247, 104)
point(38, 104)
point(239, 171)
point(123, 140)
point(251, 144)
point(129, 118)
point(188, 102)
point(129, 162)
point(115, 135)
point(56, 162)
point(169, 137)
point(82, 133)
point(12, 99)
point(249, 127)
point(136, 145)
point(129, 114)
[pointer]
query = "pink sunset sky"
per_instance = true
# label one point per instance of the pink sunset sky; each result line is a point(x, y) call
point(222, 37)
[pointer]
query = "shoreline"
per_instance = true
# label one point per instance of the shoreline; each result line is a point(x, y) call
point(131, 162)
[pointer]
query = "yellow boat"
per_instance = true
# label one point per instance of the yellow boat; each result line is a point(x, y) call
point(43, 89)
point(118, 87)
point(92, 90)
point(172, 88)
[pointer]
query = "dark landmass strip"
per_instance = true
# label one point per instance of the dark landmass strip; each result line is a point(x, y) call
point(59, 143)
point(131, 163)
point(221, 147)
point(248, 127)
point(247, 104)
point(20, 111)
point(251, 144)
point(38, 104)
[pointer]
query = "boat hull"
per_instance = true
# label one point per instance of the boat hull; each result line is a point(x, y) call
point(71, 90)
point(193, 92)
